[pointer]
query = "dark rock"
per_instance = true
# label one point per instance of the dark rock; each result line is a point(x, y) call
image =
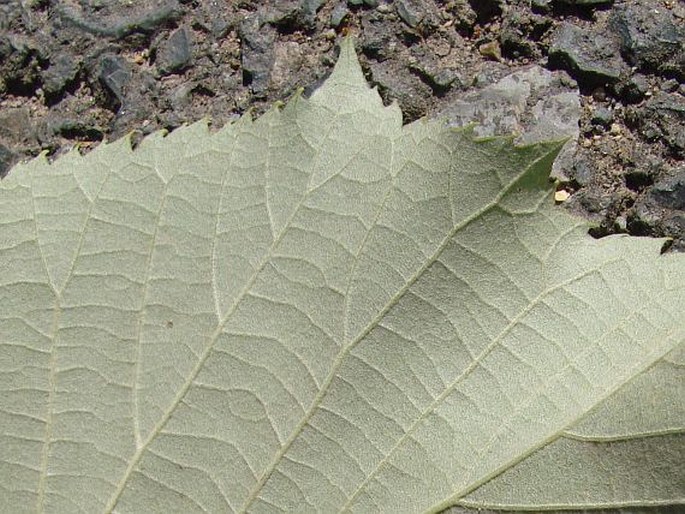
point(674, 226)
point(291, 15)
point(109, 22)
point(541, 4)
point(583, 2)
point(20, 64)
point(675, 66)
point(439, 77)
point(669, 86)
point(60, 74)
point(311, 7)
point(74, 129)
point(174, 54)
point(368, 3)
point(445, 78)
point(520, 30)
point(213, 18)
point(114, 73)
point(648, 32)
point(7, 160)
point(486, 9)
point(411, 12)
point(663, 117)
point(587, 54)
point(15, 124)
point(307, 14)
point(593, 202)
point(395, 84)
point(582, 172)
point(635, 89)
point(338, 14)
point(670, 192)
point(257, 50)
point(661, 211)
point(602, 116)
point(285, 14)
point(379, 39)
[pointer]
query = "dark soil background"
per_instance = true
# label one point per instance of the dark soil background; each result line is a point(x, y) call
point(82, 71)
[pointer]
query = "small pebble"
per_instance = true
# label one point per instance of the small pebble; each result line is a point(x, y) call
point(561, 196)
point(491, 50)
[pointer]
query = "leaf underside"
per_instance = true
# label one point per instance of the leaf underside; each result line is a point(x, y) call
point(325, 311)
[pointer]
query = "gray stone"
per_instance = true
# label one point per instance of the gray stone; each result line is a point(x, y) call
point(669, 86)
point(663, 116)
point(411, 12)
point(15, 124)
point(412, 94)
point(257, 51)
point(368, 3)
point(311, 7)
point(379, 40)
point(670, 192)
point(62, 71)
point(532, 103)
point(110, 21)
point(174, 54)
point(338, 14)
point(648, 32)
point(635, 88)
point(602, 116)
point(661, 211)
point(425, 63)
point(7, 160)
point(445, 77)
point(114, 73)
point(589, 55)
point(308, 10)
point(581, 171)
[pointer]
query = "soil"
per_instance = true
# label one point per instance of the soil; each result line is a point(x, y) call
point(77, 72)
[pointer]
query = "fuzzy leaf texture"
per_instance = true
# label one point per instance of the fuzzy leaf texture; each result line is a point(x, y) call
point(325, 311)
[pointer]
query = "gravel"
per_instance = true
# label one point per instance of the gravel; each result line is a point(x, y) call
point(608, 74)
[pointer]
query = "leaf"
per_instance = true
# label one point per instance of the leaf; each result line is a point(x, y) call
point(322, 310)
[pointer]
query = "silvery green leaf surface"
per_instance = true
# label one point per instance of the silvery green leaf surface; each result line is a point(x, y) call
point(324, 311)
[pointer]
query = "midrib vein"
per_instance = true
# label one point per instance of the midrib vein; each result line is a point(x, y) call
point(337, 363)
